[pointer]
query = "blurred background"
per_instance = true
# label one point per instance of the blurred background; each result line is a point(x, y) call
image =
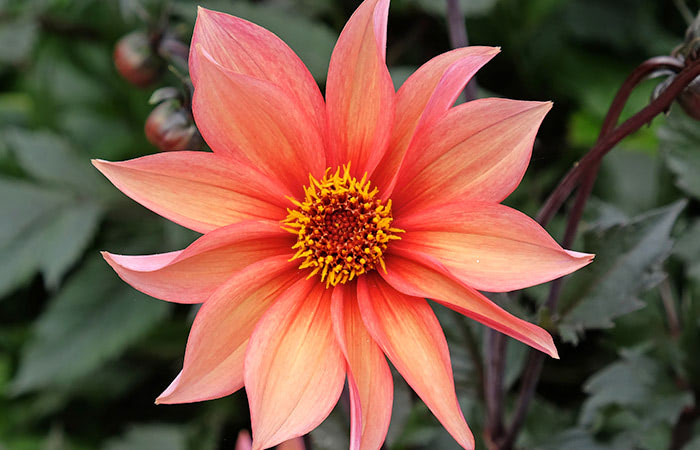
point(83, 355)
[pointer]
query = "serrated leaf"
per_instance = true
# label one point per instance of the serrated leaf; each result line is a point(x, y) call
point(43, 230)
point(627, 262)
point(678, 141)
point(93, 319)
point(151, 437)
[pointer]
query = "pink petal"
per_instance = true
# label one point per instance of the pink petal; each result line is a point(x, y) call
point(369, 378)
point(257, 122)
point(413, 278)
point(198, 190)
point(294, 369)
point(425, 97)
point(248, 49)
point(487, 246)
point(244, 442)
point(410, 335)
point(359, 90)
point(214, 357)
point(478, 151)
point(193, 274)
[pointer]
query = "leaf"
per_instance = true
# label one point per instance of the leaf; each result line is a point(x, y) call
point(687, 248)
point(18, 38)
point(628, 256)
point(635, 398)
point(678, 141)
point(49, 157)
point(92, 320)
point(151, 437)
point(575, 438)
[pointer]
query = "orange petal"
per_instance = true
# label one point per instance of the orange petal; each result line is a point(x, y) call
point(478, 151)
point(214, 357)
point(255, 121)
point(488, 246)
point(413, 278)
point(359, 90)
point(198, 190)
point(410, 335)
point(369, 378)
point(294, 369)
point(425, 96)
point(248, 49)
point(193, 274)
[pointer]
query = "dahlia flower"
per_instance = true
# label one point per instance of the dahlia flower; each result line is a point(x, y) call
point(328, 222)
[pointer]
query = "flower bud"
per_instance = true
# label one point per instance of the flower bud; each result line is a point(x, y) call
point(136, 60)
point(689, 99)
point(170, 127)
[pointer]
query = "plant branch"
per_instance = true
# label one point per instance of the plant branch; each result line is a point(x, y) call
point(458, 38)
point(493, 385)
point(610, 139)
point(585, 172)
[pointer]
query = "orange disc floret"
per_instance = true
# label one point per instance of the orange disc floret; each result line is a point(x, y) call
point(342, 227)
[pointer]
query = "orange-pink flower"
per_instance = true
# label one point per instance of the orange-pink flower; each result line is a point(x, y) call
point(327, 222)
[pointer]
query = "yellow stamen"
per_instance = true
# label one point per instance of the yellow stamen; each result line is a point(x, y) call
point(342, 227)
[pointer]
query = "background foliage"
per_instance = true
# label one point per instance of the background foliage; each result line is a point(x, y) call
point(82, 355)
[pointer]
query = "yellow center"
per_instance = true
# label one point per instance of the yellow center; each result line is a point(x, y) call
point(342, 227)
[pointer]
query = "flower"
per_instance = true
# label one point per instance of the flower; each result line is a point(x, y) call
point(326, 224)
point(244, 442)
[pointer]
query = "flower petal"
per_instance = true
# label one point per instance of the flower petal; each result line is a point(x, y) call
point(296, 443)
point(369, 378)
point(477, 151)
point(256, 122)
point(294, 369)
point(244, 441)
point(198, 190)
point(249, 49)
point(425, 96)
point(417, 279)
point(410, 335)
point(213, 365)
point(487, 246)
point(193, 274)
point(359, 90)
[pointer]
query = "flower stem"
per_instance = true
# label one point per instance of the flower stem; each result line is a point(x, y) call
point(458, 38)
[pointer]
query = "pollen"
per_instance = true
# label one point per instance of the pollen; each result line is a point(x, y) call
point(343, 228)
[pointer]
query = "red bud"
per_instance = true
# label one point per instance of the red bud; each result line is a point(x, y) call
point(170, 127)
point(136, 60)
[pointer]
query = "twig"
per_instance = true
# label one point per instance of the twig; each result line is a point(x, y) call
point(660, 104)
point(674, 326)
point(493, 385)
point(458, 38)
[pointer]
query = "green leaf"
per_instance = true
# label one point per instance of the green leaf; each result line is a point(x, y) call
point(44, 230)
point(678, 140)
point(93, 319)
point(151, 437)
point(49, 157)
point(470, 8)
point(575, 438)
point(18, 38)
point(628, 256)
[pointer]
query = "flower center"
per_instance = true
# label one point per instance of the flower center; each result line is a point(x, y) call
point(342, 227)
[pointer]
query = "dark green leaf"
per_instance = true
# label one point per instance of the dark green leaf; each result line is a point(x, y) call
point(627, 262)
point(679, 140)
point(17, 39)
point(93, 319)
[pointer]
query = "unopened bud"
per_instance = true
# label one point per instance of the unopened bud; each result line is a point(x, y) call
point(170, 127)
point(136, 60)
point(689, 99)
